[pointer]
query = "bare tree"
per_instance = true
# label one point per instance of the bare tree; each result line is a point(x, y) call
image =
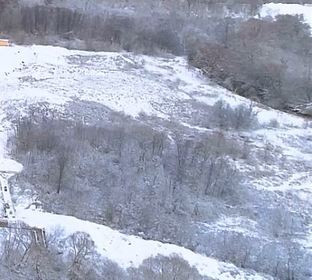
point(81, 247)
point(63, 157)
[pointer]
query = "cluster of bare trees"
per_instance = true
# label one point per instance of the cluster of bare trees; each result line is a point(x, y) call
point(239, 118)
point(75, 258)
point(239, 59)
point(22, 257)
point(128, 170)
point(81, 29)
point(166, 268)
point(139, 180)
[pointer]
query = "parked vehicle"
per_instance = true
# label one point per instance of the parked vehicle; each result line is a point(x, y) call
point(4, 43)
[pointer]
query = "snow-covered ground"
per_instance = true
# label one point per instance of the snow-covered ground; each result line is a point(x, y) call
point(134, 84)
point(130, 251)
point(234, 224)
point(275, 9)
point(122, 82)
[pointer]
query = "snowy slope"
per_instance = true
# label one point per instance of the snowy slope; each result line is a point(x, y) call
point(131, 251)
point(134, 84)
point(274, 9)
point(123, 82)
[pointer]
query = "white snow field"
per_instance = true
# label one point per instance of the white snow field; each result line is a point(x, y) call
point(133, 84)
point(131, 251)
point(275, 9)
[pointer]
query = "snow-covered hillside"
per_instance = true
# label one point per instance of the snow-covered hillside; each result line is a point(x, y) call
point(163, 87)
point(58, 75)
point(275, 9)
point(131, 251)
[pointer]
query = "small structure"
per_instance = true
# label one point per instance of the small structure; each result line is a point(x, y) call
point(4, 43)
